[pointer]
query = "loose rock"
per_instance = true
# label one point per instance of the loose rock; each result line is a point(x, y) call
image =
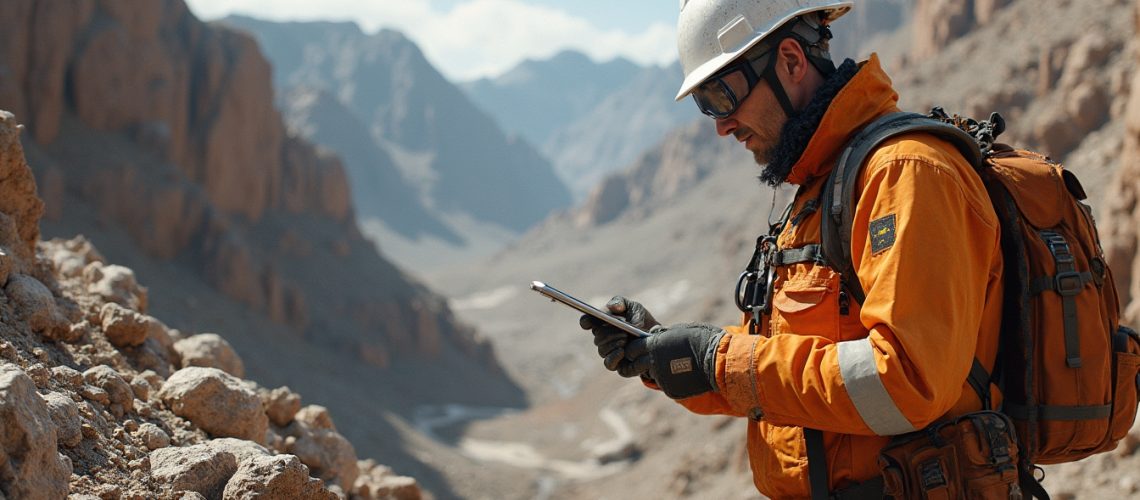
point(281, 476)
point(210, 350)
point(68, 375)
point(199, 468)
point(123, 326)
point(378, 481)
point(217, 402)
point(31, 465)
point(65, 415)
point(118, 390)
point(330, 456)
point(38, 304)
point(316, 417)
point(281, 404)
point(152, 436)
point(116, 284)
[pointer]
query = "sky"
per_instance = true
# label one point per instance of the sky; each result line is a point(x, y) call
point(469, 39)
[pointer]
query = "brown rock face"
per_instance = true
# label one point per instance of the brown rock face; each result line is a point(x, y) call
point(30, 466)
point(1122, 215)
point(938, 22)
point(19, 226)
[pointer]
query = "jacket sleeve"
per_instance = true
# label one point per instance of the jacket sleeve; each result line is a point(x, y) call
point(710, 403)
point(926, 277)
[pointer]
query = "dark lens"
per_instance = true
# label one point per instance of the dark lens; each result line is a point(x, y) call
point(714, 98)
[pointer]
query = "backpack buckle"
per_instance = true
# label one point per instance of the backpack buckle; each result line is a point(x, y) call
point(1068, 284)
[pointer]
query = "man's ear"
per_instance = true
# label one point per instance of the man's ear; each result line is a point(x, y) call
point(792, 61)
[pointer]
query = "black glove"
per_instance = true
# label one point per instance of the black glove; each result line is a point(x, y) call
point(610, 340)
point(681, 359)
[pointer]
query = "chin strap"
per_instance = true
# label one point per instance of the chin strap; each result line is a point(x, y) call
point(819, 57)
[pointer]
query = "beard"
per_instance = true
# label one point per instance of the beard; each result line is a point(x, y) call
point(766, 149)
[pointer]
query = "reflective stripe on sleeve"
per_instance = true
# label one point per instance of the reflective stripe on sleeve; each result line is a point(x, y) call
point(866, 390)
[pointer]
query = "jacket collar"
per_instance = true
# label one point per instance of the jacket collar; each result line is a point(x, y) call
point(866, 97)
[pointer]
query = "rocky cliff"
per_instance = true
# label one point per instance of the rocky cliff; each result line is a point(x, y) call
point(468, 164)
point(100, 399)
point(156, 136)
point(166, 127)
point(938, 22)
point(1122, 234)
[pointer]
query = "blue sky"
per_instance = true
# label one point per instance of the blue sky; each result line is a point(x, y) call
point(467, 39)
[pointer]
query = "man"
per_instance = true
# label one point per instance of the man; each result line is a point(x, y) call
point(931, 269)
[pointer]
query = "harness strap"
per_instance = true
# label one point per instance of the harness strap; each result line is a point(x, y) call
point(1042, 284)
point(979, 379)
point(817, 464)
point(1066, 413)
point(806, 253)
point(1068, 283)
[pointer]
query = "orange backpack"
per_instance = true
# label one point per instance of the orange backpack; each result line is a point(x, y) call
point(1068, 371)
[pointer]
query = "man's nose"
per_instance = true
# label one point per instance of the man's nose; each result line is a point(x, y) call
point(726, 126)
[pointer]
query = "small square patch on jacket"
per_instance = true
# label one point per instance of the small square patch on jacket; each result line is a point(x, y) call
point(882, 233)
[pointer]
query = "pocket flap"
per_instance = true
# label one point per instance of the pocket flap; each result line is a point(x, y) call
point(1036, 186)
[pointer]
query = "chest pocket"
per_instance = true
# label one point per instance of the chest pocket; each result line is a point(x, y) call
point(807, 302)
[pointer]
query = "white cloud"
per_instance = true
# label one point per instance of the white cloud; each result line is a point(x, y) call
point(475, 38)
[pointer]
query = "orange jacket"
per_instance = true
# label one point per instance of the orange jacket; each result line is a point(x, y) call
point(933, 302)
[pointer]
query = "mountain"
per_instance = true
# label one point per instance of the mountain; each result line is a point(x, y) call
point(590, 118)
point(537, 97)
point(377, 184)
point(627, 122)
point(467, 164)
point(155, 135)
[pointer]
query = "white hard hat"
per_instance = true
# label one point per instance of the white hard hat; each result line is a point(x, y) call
point(713, 33)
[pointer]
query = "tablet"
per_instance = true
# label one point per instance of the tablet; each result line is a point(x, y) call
point(556, 295)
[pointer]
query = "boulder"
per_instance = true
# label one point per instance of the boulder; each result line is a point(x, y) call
point(116, 284)
point(209, 350)
point(315, 417)
point(281, 404)
point(200, 468)
point(65, 415)
point(121, 396)
point(378, 481)
point(242, 450)
point(152, 436)
point(281, 476)
point(30, 466)
point(216, 402)
point(38, 306)
point(123, 327)
point(330, 456)
point(68, 376)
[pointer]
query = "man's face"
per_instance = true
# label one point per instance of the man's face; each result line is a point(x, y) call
point(757, 123)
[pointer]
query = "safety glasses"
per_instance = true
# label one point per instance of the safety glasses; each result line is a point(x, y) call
point(721, 94)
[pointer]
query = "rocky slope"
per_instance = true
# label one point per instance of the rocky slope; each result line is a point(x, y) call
point(101, 400)
point(469, 165)
point(155, 135)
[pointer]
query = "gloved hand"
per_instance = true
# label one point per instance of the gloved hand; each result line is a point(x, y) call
point(611, 341)
point(681, 359)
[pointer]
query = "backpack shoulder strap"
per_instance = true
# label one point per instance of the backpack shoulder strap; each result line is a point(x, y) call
point(839, 196)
